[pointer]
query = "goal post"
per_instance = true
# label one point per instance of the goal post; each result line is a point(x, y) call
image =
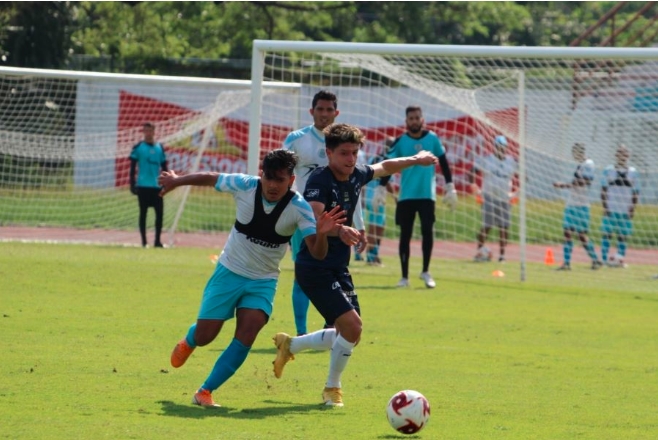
point(65, 138)
point(543, 99)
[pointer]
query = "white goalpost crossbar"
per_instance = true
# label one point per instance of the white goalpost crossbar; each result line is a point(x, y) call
point(544, 99)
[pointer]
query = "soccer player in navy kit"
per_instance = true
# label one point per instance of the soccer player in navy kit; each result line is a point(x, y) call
point(149, 158)
point(245, 279)
point(328, 283)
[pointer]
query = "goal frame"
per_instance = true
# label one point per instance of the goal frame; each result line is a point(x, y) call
point(260, 47)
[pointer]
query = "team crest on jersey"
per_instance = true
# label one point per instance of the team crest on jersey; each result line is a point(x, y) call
point(312, 193)
point(418, 148)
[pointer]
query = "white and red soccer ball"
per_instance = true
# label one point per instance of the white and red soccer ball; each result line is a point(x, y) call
point(408, 411)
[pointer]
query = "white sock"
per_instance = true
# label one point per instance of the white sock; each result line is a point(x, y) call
point(318, 340)
point(340, 354)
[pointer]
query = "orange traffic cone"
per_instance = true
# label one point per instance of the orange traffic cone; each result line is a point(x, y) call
point(498, 273)
point(548, 258)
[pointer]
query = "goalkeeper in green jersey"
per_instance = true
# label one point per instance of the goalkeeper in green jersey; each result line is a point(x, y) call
point(148, 159)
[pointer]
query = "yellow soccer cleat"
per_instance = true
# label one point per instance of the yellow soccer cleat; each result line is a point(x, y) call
point(283, 354)
point(332, 397)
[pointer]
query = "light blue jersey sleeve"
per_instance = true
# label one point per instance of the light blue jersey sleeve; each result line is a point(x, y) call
point(437, 146)
point(290, 143)
point(233, 183)
point(307, 223)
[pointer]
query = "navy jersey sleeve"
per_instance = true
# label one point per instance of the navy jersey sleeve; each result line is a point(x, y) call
point(318, 188)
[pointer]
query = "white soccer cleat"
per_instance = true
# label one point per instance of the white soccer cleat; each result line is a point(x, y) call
point(404, 282)
point(429, 281)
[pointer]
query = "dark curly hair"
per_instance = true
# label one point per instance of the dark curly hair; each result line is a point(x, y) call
point(277, 160)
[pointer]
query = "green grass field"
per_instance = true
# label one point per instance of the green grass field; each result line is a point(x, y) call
point(87, 332)
point(206, 210)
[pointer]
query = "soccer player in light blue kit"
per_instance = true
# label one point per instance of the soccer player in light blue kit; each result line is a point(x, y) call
point(308, 144)
point(418, 192)
point(619, 195)
point(576, 212)
point(245, 279)
point(375, 196)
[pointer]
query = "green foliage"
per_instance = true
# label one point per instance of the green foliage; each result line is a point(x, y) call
point(87, 333)
point(132, 33)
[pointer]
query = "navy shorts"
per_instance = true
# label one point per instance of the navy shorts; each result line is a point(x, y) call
point(330, 290)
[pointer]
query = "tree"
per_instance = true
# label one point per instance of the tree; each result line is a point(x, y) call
point(37, 34)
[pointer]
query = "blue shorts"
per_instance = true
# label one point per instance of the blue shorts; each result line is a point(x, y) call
point(617, 223)
point(330, 290)
point(375, 218)
point(227, 291)
point(576, 218)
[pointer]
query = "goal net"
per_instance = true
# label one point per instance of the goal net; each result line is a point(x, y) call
point(65, 138)
point(543, 100)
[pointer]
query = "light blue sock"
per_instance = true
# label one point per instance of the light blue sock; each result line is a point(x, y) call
point(567, 248)
point(605, 248)
point(227, 364)
point(589, 247)
point(190, 336)
point(300, 304)
point(621, 248)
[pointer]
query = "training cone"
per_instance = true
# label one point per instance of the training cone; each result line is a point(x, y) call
point(549, 259)
point(498, 273)
point(214, 258)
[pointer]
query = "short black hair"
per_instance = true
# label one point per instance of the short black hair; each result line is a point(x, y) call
point(324, 95)
point(413, 108)
point(336, 134)
point(277, 160)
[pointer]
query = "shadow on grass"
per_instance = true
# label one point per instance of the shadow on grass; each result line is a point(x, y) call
point(190, 411)
point(398, 436)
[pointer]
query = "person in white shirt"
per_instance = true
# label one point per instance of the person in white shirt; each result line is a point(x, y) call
point(308, 144)
point(576, 212)
point(498, 169)
point(619, 196)
point(244, 282)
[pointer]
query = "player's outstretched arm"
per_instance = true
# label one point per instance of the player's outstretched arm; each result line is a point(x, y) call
point(326, 223)
point(392, 166)
point(169, 180)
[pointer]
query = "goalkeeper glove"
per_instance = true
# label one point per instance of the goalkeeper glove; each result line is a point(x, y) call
point(450, 196)
point(379, 198)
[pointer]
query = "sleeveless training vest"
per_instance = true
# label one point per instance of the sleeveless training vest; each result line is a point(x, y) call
point(261, 227)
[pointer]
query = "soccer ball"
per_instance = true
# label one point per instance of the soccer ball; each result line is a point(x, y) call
point(616, 260)
point(408, 411)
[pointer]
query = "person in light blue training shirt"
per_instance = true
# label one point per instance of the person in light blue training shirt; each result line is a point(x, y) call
point(244, 282)
point(308, 144)
point(375, 196)
point(620, 189)
point(418, 192)
point(576, 210)
point(148, 158)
